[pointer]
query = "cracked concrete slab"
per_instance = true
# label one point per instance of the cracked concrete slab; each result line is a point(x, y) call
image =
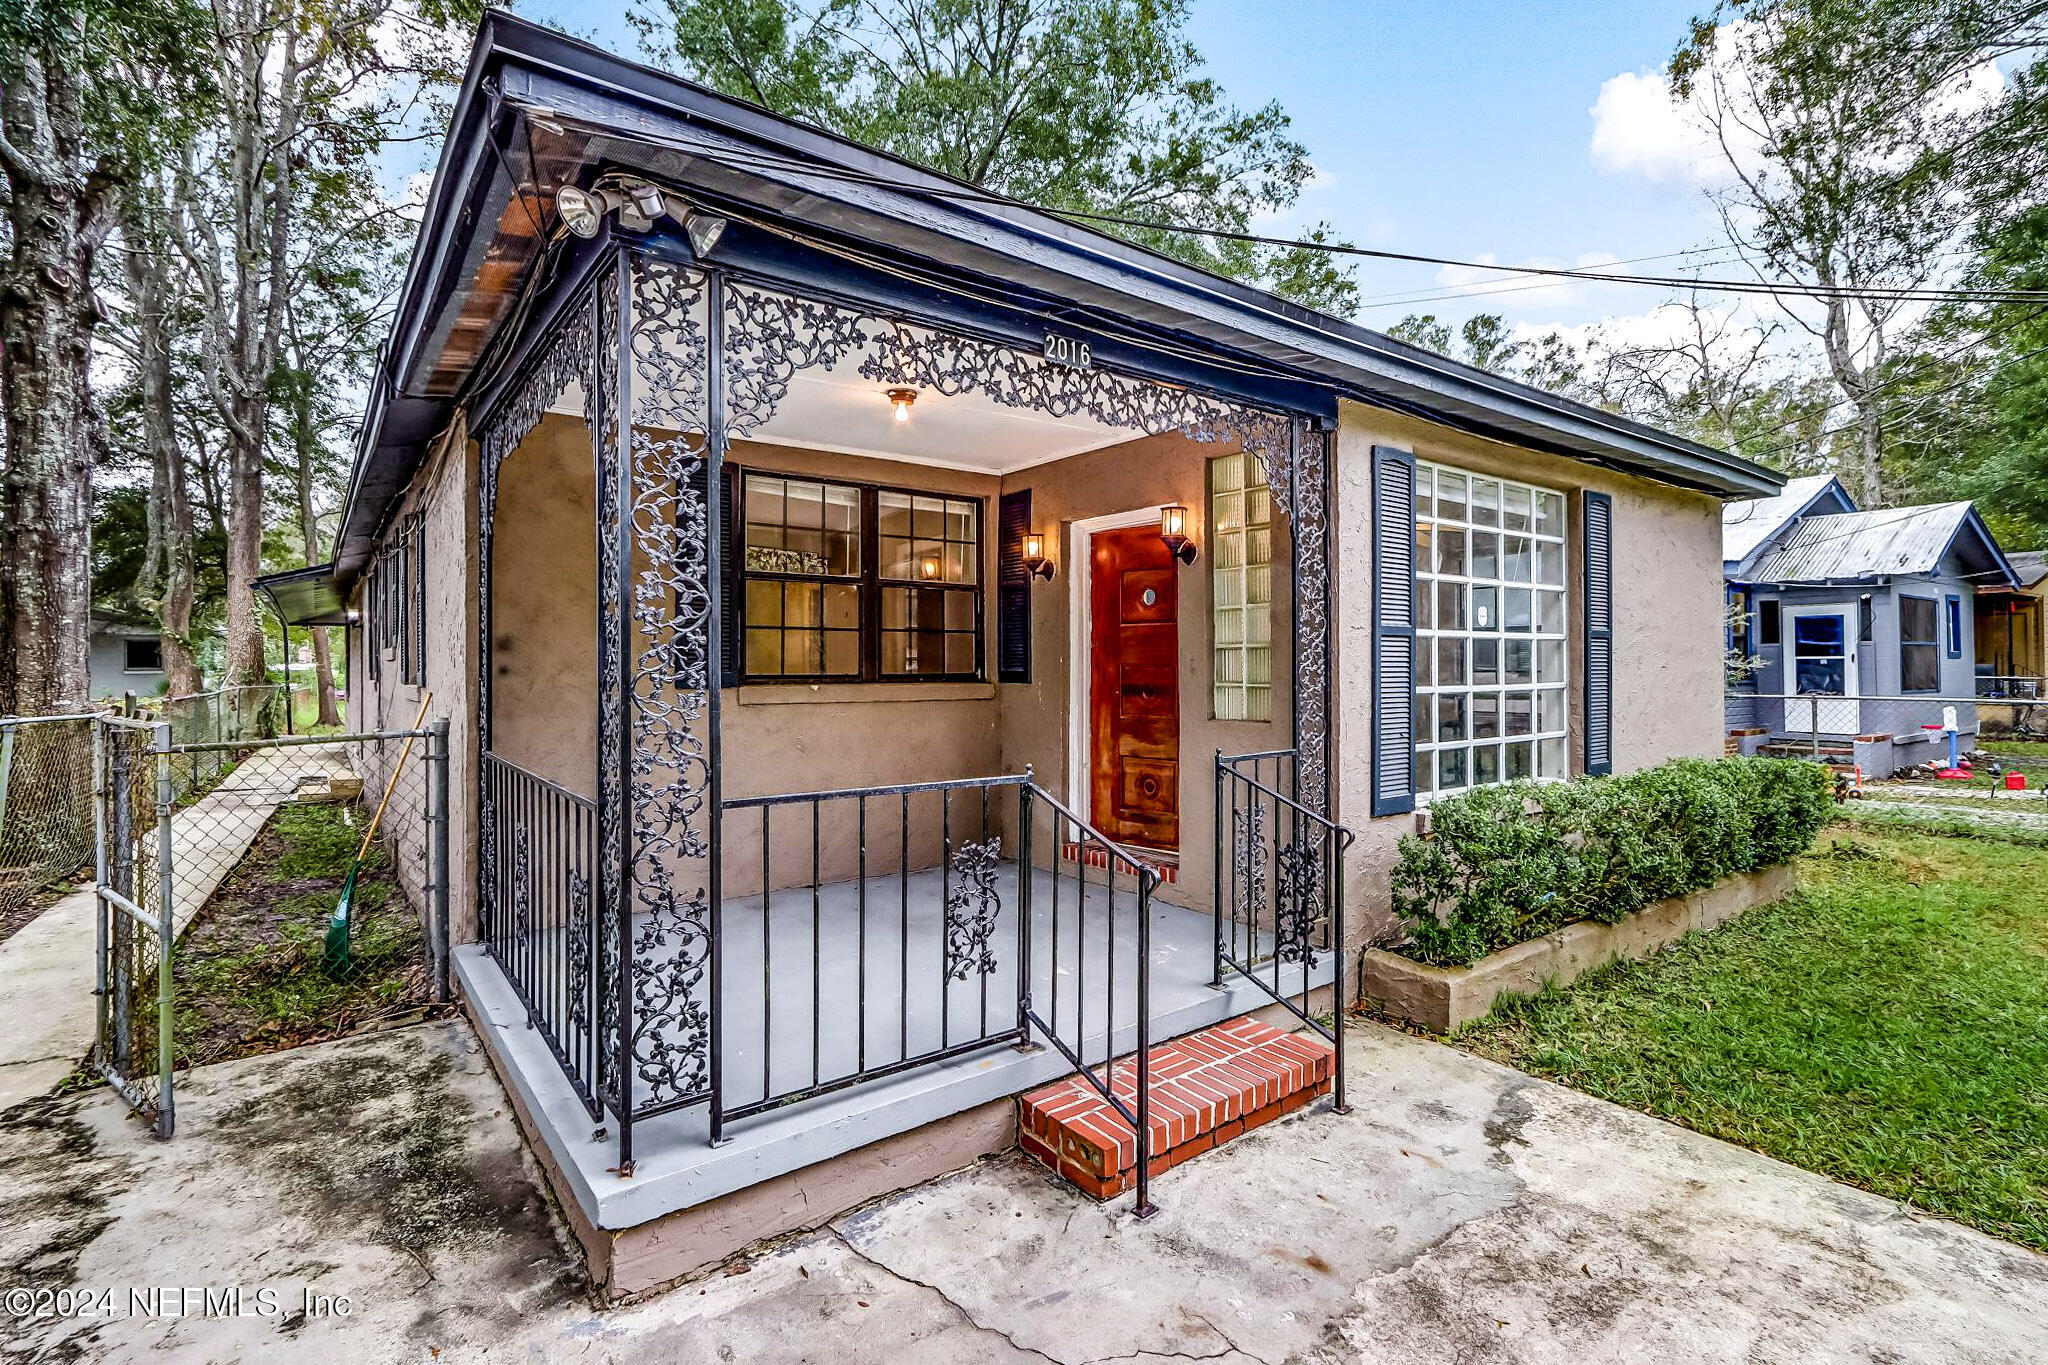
point(1464, 1212)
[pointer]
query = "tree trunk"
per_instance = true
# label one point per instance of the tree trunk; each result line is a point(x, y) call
point(309, 525)
point(150, 294)
point(47, 314)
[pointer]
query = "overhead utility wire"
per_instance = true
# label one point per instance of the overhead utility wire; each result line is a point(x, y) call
point(745, 160)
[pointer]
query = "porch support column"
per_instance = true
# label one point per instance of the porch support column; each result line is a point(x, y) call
point(1308, 504)
point(613, 433)
point(713, 678)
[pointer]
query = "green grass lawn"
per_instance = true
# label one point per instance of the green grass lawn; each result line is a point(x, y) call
point(1887, 1026)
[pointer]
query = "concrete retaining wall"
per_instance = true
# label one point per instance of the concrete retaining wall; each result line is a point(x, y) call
point(1445, 998)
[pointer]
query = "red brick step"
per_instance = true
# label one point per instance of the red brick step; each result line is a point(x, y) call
point(1206, 1089)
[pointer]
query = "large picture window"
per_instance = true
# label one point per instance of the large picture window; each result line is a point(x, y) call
point(1919, 662)
point(845, 582)
point(1241, 587)
point(1491, 661)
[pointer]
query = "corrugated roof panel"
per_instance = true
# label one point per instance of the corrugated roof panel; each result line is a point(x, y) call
point(1749, 523)
point(1892, 540)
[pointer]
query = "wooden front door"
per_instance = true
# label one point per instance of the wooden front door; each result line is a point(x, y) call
point(1134, 688)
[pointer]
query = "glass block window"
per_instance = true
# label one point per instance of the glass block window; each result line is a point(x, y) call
point(844, 582)
point(1492, 666)
point(1241, 587)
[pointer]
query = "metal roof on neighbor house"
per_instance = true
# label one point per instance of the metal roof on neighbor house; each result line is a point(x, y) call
point(1890, 541)
point(538, 109)
point(1748, 524)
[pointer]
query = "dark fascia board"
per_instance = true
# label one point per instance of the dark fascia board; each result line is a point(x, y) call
point(547, 68)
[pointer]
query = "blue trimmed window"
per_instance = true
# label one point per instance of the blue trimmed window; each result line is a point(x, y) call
point(1954, 607)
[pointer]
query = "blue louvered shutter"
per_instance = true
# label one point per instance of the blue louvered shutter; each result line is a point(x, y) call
point(1393, 631)
point(1599, 522)
point(1013, 589)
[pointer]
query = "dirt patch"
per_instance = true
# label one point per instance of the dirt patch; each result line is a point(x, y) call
point(251, 977)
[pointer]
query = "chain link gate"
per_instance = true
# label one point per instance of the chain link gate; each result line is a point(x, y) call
point(134, 919)
point(173, 823)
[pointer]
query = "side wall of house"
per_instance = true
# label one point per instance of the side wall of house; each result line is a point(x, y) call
point(1667, 685)
point(444, 492)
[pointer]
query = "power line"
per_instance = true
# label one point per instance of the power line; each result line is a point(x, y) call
point(754, 160)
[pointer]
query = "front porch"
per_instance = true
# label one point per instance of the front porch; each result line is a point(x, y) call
point(826, 1006)
point(750, 900)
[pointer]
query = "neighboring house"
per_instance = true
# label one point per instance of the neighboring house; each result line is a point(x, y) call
point(800, 547)
point(2012, 658)
point(1863, 625)
point(125, 656)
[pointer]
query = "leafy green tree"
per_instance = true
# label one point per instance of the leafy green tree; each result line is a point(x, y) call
point(1092, 105)
point(1857, 148)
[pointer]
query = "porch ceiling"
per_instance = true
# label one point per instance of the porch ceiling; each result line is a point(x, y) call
point(836, 408)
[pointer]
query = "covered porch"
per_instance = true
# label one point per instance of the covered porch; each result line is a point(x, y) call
point(886, 705)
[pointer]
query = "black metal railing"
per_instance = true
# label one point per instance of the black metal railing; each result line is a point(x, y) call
point(539, 854)
point(857, 937)
point(1279, 891)
point(1062, 1017)
point(875, 930)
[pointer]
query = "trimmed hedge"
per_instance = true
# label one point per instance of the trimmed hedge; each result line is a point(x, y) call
point(1510, 863)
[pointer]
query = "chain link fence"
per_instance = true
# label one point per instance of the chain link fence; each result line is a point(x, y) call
point(1968, 763)
point(224, 716)
point(45, 811)
point(132, 1047)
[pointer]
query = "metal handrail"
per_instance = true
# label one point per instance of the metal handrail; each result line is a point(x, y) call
point(1231, 761)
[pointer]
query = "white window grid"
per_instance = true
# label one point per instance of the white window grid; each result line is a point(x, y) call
point(1527, 720)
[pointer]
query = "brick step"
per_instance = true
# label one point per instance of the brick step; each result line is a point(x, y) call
point(1206, 1089)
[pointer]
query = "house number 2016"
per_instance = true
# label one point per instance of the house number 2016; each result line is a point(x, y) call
point(1068, 351)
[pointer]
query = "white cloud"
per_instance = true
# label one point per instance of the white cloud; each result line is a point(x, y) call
point(1639, 128)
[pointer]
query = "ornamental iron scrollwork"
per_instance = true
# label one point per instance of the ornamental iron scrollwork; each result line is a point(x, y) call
point(1309, 524)
point(672, 669)
point(768, 338)
point(1248, 856)
point(579, 951)
point(972, 906)
point(1297, 901)
point(600, 401)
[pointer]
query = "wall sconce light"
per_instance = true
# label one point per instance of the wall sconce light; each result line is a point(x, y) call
point(901, 399)
point(1173, 529)
point(1035, 562)
point(928, 568)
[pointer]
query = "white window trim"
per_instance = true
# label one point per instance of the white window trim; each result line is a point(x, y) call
point(1427, 636)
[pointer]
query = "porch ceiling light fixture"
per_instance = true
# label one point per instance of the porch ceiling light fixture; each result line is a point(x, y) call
point(579, 210)
point(901, 399)
point(1036, 563)
point(1173, 529)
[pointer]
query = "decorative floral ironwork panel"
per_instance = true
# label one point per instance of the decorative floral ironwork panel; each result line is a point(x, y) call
point(1297, 901)
point(1310, 526)
point(672, 671)
point(1248, 856)
point(600, 403)
point(972, 906)
point(768, 338)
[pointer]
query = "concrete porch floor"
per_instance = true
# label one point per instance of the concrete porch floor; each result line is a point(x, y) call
point(1464, 1212)
point(898, 1011)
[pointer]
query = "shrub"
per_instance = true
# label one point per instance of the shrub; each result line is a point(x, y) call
point(1510, 863)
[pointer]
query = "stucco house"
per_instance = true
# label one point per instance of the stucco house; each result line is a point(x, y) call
point(1862, 625)
point(906, 646)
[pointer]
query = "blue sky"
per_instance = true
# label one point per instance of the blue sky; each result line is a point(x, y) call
point(1457, 130)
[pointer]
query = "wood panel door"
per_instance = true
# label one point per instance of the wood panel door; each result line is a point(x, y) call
point(1134, 688)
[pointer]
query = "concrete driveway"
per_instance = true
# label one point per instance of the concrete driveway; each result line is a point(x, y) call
point(1464, 1212)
